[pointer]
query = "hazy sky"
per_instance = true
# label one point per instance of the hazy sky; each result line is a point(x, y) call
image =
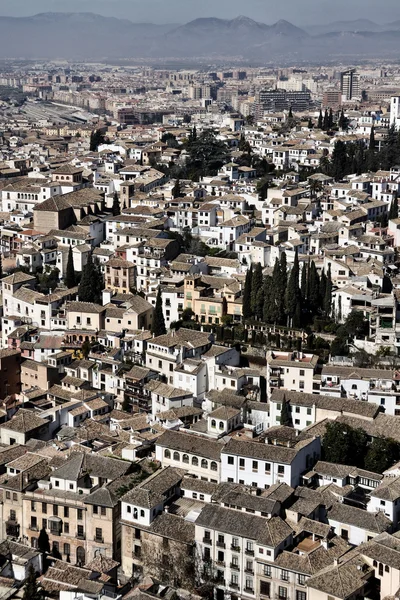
point(180, 11)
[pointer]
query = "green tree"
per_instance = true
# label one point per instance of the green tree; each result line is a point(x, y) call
point(256, 285)
point(293, 295)
point(31, 587)
point(116, 208)
point(330, 119)
point(91, 284)
point(325, 125)
point(262, 188)
point(176, 190)
point(187, 119)
point(70, 279)
point(382, 454)
point(206, 154)
point(268, 300)
point(246, 307)
point(344, 445)
point(126, 405)
point(187, 314)
point(286, 418)
point(303, 285)
point(43, 541)
point(372, 139)
point(394, 208)
point(313, 289)
point(320, 120)
point(96, 139)
point(158, 324)
point(339, 161)
point(327, 299)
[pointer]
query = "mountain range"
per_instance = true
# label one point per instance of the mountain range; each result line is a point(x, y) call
point(77, 36)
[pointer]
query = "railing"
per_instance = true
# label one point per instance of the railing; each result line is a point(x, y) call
point(80, 536)
point(207, 540)
point(235, 548)
point(220, 544)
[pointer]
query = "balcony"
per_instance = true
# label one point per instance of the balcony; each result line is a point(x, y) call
point(12, 528)
point(249, 571)
point(235, 586)
point(98, 540)
point(220, 544)
point(80, 536)
point(207, 540)
point(249, 552)
point(33, 527)
point(235, 548)
point(249, 590)
point(234, 567)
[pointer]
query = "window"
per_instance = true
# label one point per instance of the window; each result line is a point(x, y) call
point(255, 465)
point(214, 424)
point(80, 514)
point(267, 571)
point(195, 461)
point(177, 456)
point(95, 510)
point(13, 515)
point(231, 460)
point(345, 534)
point(301, 579)
point(55, 510)
point(66, 527)
point(80, 533)
point(284, 575)
point(33, 506)
point(301, 595)
point(167, 454)
point(204, 464)
point(67, 549)
point(281, 470)
point(265, 588)
point(103, 511)
point(213, 466)
point(249, 583)
point(380, 569)
point(66, 512)
point(268, 467)
point(241, 463)
point(282, 592)
point(99, 535)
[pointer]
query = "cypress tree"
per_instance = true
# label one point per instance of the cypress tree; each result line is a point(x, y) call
point(342, 120)
point(394, 208)
point(292, 295)
point(325, 125)
point(339, 160)
point(1, 265)
point(260, 303)
point(286, 419)
point(327, 300)
point(31, 588)
point(330, 119)
point(310, 123)
point(256, 285)
point(91, 283)
point(70, 280)
point(43, 541)
point(275, 299)
point(320, 121)
point(116, 208)
point(280, 284)
point(158, 324)
point(247, 312)
point(314, 299)
point(268, 299)
point(290, 115)
point(176, 190)
point(322, 287)
point(303, 287)
point(372, 139)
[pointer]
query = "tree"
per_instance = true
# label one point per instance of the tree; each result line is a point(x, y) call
point(310, 124)
point(247, 312)
point(292, 295)
point(286, 418)
point(356, 324)
point(327, 299)
point(176, 190)
point(330, 119)
point(256, 285)
point(187, 314)
point(206, 154)
point(342, 121)
point(31, 587)
point(43, 541)
point(313, 289)
point(96, 139)
point(382, 454)
point(303, 285)
point(70, 279)
point(372, 139)
point(339, 160)
point(320, 120)
point(325, 125)
point(394, 208)
point(116, 208)
point(187, 119)
point(126, 405)
point(262, 188)
point(344, 445)
point(85, 349)
point(158, 324)
point(91, 284)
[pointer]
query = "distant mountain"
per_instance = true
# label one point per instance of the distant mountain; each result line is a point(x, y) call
point(89, 36)
point(343, 26)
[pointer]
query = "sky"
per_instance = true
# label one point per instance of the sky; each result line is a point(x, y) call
point(299, 12)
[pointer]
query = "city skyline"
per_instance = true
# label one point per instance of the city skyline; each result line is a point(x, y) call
point(308, 12)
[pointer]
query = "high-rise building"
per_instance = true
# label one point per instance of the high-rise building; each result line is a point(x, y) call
point(350, 84)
